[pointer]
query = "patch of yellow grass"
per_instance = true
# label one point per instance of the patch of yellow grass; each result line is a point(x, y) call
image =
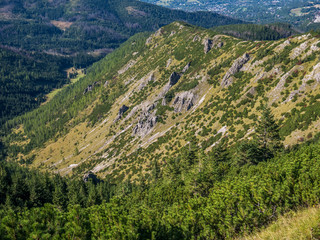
point(293, 225)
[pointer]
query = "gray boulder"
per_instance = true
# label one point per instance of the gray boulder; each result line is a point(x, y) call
point(184, 101)
point(146, 122)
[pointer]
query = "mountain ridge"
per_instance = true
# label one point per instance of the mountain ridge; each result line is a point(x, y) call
point(209, 89)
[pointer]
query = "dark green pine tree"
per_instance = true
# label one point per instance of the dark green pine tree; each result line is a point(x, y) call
point(156, 170)
point(267, 134)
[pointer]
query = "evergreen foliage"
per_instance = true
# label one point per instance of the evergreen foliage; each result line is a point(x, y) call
point(25, 78)
point(197, 197)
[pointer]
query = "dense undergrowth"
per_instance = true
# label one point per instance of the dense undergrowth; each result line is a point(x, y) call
point(196, 196)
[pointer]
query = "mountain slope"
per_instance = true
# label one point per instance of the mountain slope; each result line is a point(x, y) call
point(194, 196)
point(87, 26)
point(302, 224)
point(156, 95)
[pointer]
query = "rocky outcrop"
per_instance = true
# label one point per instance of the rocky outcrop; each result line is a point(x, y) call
point(186, 68)
point(122, 110)
point(145, 81)
point(90, 87)
point(90, 176)
point(252, 91)
point(299, 50)
point(208, 44)
point(196, 38)
point(235, 68)
point(174, 78)
point(149, 40)
point(184, 101)
point(159, 33)
point(130, 64)
point(169, 62)
point(146, 123)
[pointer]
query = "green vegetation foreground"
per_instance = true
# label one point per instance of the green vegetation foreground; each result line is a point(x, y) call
point(193, 197)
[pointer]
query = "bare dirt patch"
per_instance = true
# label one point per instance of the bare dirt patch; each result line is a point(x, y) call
point(61, 24)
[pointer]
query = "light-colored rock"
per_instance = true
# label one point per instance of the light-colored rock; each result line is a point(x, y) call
point(129, 65)
point(210, 43)
point(146, 122)
point(235, 68)
point(196, 38)
point(145, 81)
point(184, 101)
point(299, 50)
point(169, 62)
point(159, 33)
point(186, 68)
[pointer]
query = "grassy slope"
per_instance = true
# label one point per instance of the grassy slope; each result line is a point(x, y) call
point(293, 225)
point(109, 147)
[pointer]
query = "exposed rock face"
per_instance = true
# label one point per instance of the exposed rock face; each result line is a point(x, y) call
point(122, 110)
point(235, 68)
point(91, 176)
point(299, 50)
point(174, 78)
point(146, 122)
point(130, 64)
point(313, 75)
point(159, 33)
point(208, 44)
point(169, 62)
point(219, 44)
point(146, 80)
point(196, 38)
point(186, 68)
point(149, 40)
point(252, 91)
point(90, 87)
point(184, 101)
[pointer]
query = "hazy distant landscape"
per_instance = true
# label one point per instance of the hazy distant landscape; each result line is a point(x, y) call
point(301, 13)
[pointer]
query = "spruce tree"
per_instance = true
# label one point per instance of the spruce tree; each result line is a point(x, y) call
point(267, 134)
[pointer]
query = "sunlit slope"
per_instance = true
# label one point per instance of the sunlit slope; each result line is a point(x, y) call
point(156, 93)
